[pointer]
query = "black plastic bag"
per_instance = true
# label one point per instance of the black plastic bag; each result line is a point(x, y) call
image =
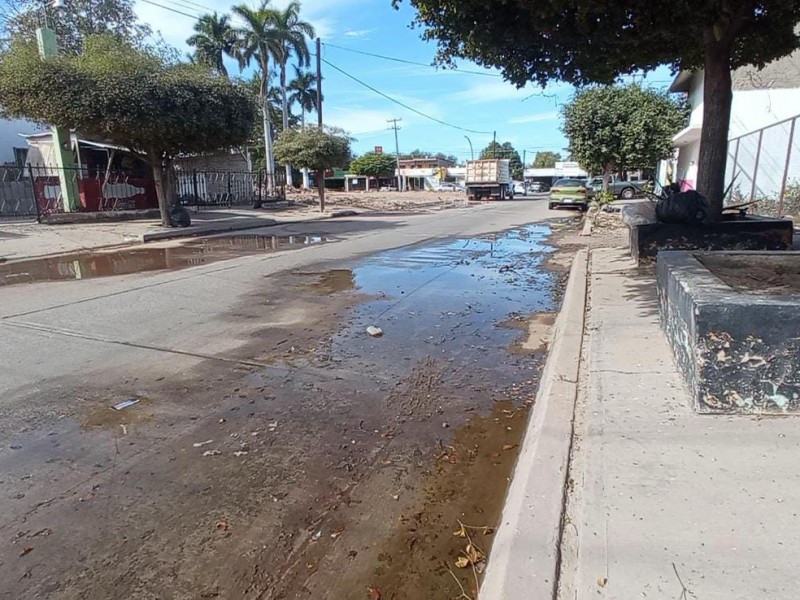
point(688, 208)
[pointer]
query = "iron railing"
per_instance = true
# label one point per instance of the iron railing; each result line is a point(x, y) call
point(36, 191)
point(764, 166)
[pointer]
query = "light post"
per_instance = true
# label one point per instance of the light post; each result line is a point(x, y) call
point(471, 151)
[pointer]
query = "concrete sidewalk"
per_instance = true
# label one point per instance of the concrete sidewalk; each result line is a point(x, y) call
point(663, 502)
point(28, 239)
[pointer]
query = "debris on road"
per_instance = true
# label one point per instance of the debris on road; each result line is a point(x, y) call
point(272, 426)
point(201, 444)
point(375, 331)
point(374, 593)
point(26, 550)
point(212, 453)
point(126, 403)
point(222, 525)
point(337, 532)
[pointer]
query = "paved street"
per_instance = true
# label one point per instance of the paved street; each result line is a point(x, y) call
point(273, 444)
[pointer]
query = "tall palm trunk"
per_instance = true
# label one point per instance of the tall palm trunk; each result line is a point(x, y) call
point(306, 182)
point(285, 107)
point(269, 164)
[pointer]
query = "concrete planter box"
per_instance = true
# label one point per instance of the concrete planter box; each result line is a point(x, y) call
point(738, 351)
point(733, 233)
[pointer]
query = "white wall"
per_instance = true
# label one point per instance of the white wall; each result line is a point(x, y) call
point(10, 130)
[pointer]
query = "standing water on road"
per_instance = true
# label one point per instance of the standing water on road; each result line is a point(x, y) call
point(440, 397)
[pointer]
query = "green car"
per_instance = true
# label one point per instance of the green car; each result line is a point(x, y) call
point(569, 192)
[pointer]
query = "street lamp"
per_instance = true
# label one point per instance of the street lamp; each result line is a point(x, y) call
point(471, 151)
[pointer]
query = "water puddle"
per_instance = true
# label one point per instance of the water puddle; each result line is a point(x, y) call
point(91, 265)
point(448, 301)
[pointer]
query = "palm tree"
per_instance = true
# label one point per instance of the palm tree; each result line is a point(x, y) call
point(258, 40)
point(292, 32)
point(214, 39)
point(304, 93)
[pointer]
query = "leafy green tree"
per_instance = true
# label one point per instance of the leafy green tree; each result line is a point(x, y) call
point(258, 40)
point(75, 21)
point(596, 42)
point(614, 128)
point(213, 40)
point(505, 150)
point(373, 164)
point(417, 153)
point(118, 93)
point(292, 32)
point(546, 160)
point(316, 149)
point(303, 90)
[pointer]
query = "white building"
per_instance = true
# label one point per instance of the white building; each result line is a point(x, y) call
point(763, 101)
point(13, 147)
point(562, 170)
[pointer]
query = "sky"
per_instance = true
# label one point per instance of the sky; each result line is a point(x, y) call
point(481, 103)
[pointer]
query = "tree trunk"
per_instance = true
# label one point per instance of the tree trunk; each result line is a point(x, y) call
point(285, 107)
point(306, 184)
point(606, 175)
point(717, 100)
point(156, 163)
point(269, 164)
point(321, 188)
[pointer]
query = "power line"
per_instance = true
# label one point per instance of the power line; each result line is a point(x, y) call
point(193, 4)
point(406, 106)
point(176, 11)
point(409, 62)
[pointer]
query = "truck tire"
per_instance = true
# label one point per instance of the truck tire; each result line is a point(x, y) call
point(627, 193)
point(551, 206)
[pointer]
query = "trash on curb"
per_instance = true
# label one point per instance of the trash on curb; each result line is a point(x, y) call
point(375, 331)
point(126, 403)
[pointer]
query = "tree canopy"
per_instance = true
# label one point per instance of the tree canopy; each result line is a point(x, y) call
point(546, 160)
point(619, 128)
point(505, 150)
point(417, 153)
point(80, 19)
point(596, 42)
point(115, 92)
point(316, 149)
point(374, 164)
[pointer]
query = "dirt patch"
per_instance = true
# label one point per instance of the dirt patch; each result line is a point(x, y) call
point(389, 202)
point(537, 330)
point(466, 486)
point(331, 282)
point(773, 274)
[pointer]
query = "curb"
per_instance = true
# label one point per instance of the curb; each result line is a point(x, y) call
point(169, 234)
point(524, 562)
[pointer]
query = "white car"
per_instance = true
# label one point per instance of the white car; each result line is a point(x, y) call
point(446, 187)
point(520, 189)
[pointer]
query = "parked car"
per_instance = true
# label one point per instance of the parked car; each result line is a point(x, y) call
point(446, 187)
point(620, 188)
point(569, 192)
point(520, 189)
point(536, 187)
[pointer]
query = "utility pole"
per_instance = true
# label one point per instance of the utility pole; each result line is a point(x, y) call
point(62, 147)
point(320, 177)
point(394, 126)
point(494, 145)
point(319, 83)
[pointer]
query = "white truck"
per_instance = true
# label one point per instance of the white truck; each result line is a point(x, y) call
point(489, 178)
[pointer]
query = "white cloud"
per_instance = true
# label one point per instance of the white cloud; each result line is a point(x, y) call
point(357, 33)
point(493, 91)
point(546, 116)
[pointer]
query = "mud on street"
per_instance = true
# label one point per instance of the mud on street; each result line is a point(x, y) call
point(319, 462)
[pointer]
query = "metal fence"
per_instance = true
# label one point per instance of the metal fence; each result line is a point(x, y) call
point(764, 166)
point(198, 188)
point(36, 191)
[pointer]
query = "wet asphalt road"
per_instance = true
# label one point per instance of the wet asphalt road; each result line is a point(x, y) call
point(76, 476)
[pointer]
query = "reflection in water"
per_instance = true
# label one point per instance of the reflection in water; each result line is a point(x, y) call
point(89, 265)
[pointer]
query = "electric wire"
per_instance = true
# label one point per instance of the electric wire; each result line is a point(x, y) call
point(399, 103)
